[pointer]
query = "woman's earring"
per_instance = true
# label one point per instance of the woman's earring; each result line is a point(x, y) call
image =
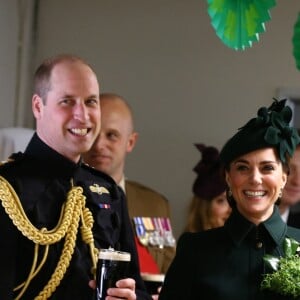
point(279, 197)
point(229, 192)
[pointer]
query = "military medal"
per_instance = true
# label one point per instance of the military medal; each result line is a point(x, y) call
point(169, 240)
point(140, 230)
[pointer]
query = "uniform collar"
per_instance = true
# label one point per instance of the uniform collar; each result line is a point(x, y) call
point(49, 159)
point(239, 227)
point(121, 184)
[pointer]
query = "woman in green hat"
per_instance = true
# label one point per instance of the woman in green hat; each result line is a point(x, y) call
point(230, 262)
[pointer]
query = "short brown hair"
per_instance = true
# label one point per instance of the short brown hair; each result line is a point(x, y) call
point(42, 82)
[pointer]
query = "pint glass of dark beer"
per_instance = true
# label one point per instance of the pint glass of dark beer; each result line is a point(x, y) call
point(112, 266)
point(153, 282)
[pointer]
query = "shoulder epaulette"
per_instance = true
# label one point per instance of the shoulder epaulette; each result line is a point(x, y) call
point(15, 157)
point(97, 172)
point(8, 160)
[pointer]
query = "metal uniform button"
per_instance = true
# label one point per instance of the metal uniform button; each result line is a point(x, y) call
point(259, 245)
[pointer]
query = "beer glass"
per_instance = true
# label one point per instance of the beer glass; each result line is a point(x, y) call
point(153, 282)
point(112, 266)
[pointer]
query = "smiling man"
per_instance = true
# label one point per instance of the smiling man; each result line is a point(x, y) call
point(58, 211)
point(67, 108)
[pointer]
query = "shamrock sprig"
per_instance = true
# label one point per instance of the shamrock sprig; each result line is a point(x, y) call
point(285, 279)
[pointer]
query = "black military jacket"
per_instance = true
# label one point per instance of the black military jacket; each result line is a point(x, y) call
point(41, 178)
point(226, 263)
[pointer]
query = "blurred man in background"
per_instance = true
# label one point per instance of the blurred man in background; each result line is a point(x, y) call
point(289, 208)
point(148, 210)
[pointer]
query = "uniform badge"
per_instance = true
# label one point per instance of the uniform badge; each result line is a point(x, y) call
point(104, 205)
point(95, 188)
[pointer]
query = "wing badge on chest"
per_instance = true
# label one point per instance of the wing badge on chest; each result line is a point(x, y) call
point(95, 188)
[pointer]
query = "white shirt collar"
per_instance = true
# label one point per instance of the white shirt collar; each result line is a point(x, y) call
point(121, 184)
point(285, 215)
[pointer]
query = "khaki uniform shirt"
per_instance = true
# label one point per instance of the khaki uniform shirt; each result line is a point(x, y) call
point(145, 202)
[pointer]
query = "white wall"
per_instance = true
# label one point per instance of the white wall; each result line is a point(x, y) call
point(16, 56)
point(185, 86)
point(8, 54)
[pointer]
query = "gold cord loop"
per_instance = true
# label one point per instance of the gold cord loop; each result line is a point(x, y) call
point(67, 227)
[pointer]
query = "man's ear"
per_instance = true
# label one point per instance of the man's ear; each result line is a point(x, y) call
point(37, 106)
point(131, 141)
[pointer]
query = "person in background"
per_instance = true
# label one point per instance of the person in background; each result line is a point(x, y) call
point(228, 262)
point(148, 210)
point(209, 207)
point(288, 207)
point(14, 139)
point(56, 211)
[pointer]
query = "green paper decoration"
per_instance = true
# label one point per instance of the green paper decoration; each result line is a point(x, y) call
point(238, 22)
point(296, 42)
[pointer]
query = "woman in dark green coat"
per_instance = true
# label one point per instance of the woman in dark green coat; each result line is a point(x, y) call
point(227, 263)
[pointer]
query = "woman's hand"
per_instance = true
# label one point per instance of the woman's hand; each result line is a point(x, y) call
point(125, 289)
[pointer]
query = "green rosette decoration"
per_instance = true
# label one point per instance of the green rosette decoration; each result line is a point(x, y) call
point(285, 279)
point(296, 42)
point(238, 23)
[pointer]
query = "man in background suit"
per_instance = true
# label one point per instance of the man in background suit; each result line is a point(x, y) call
point(289, 204)
point(108, 154)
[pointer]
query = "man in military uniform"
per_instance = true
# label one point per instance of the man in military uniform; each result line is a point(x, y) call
point(148, 210)
point(56, 211)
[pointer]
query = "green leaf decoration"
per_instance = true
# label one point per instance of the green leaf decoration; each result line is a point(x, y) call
point(272, 261)
point(290, 247)
point(238, 23)
point(296, 42)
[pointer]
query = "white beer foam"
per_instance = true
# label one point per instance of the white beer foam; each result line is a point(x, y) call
point(111, 254)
